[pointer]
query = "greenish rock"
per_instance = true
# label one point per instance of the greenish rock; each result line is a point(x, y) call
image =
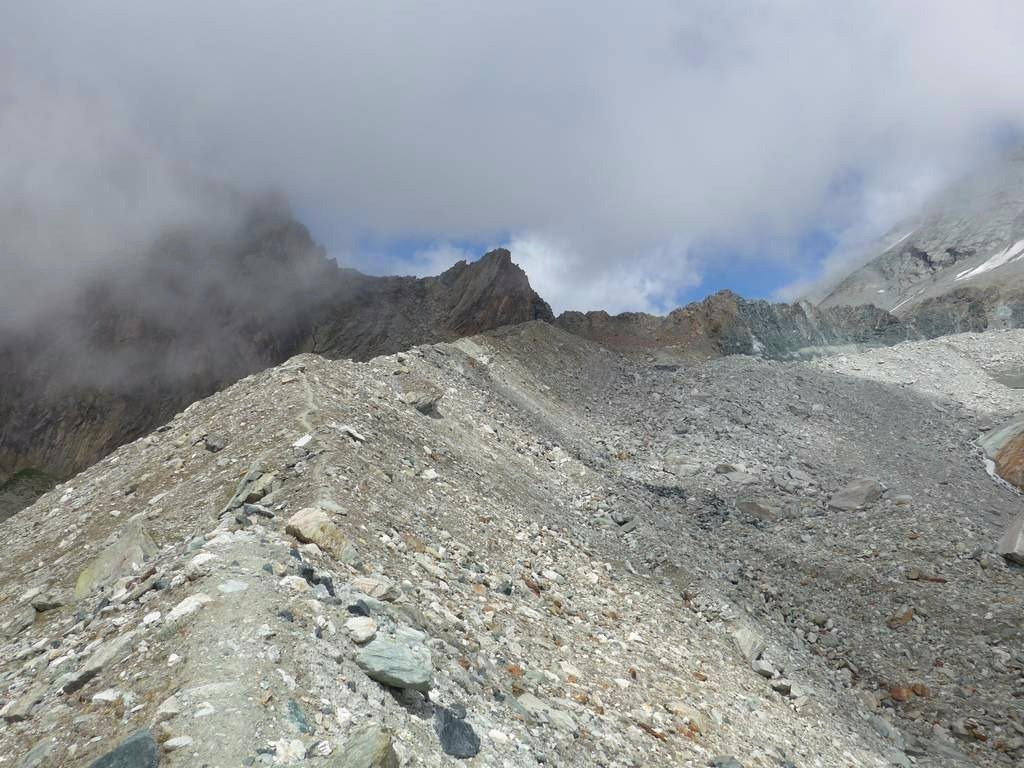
point(131, 550)
point(369, 746)
point(298, 716)
point(137, 751)
point(398, 664)
point(39, 755)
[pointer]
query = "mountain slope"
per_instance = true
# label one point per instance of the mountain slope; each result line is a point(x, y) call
point(958, 265)
point(563, 556)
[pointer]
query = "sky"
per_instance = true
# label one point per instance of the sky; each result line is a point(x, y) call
point(633, 156)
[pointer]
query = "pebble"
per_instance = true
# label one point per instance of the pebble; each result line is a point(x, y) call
point(361, 629)
point(188, 606)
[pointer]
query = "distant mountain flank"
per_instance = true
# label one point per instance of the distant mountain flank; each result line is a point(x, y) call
point(957, 266)
point(727, 324)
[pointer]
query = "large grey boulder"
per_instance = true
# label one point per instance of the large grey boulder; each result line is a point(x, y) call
point(124, 556)
point(1011, 546)
point(749, 643)
point(859, 493)
point(397, 663)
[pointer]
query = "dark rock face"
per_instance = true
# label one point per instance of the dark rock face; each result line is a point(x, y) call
point(22, 489)
point(725, 324)
point(201, 312)
point(968, 309)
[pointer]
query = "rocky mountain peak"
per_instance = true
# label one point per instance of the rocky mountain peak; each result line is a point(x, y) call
point(202, 309)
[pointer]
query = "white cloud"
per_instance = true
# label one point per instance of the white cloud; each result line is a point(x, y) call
point(424, 262)
point(617, 131)
point(647, 282)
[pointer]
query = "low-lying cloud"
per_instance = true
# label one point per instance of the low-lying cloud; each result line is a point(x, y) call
point(605, 143)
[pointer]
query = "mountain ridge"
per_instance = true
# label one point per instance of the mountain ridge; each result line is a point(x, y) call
point(197, 314)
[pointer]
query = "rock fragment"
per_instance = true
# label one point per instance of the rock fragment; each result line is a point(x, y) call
point(312, 526)
point(856, 494)
point(1011, 545)
point(369, 746)
point(398, 664)
point(132, 548)
point(137, 751)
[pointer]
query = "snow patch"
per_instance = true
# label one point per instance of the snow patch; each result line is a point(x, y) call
point(900, 304)
point(1011, 253)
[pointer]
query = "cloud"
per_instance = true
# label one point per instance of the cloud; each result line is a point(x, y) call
point(608, 139)
point(82, 192)
point(648, 282)
point(423, 262)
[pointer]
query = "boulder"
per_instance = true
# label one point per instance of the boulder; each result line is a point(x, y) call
point(106, 655)
point(1011, 545)
point(124, 556)
point(749, 643)
point(312, 526)
point(137, 751)
point(859, 493)
point(398, 664)
point(369, 746)
point(457, 737)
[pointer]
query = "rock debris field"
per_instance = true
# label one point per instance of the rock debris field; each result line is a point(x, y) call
point(522, 549)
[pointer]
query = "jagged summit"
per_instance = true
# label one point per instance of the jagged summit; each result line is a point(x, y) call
point(202, 310)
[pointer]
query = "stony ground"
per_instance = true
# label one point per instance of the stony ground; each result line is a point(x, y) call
point(521, 549)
